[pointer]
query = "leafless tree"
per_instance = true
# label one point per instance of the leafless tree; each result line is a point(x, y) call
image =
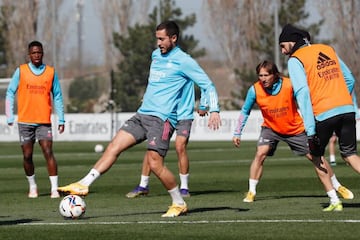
point(345, 16)
point(53, 36)
point(117, 16)
point(21, 17)
point(233, 25)
point(26, 21)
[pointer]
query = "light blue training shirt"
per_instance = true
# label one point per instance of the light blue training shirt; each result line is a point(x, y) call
point(167, 85)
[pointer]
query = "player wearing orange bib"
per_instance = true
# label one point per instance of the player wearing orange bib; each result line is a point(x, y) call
point(323, 87)
point(35, 84)
point(274, 95)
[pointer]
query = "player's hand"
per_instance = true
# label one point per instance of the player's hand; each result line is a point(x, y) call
point(214, 121)
point(236, 141)
point(202, 113)
point(314, 145)
point(61, 128)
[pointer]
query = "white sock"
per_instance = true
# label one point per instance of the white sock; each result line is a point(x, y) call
point(184, 180)
point(32, 182)
point(335, 182)
point(332, 158)
point(176, 196)
point(90, 177)
point(144, 181)
point(333, 196)
point(54, 183)
point(252, 185)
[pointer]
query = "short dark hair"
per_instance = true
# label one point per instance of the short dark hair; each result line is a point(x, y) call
point(35, 44)
point(171, 28)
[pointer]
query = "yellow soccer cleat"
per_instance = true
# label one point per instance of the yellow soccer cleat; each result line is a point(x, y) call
point(176, 210)
point(250, 197)
point(345, 193)
point(75, 189)
point(337, 207)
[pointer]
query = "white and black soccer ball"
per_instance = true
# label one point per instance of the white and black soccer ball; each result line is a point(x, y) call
point(72, 206)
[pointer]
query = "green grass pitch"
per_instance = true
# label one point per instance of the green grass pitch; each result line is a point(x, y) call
point(288, 205)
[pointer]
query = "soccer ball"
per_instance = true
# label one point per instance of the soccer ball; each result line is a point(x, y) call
point(98, 148)
point(72, 206)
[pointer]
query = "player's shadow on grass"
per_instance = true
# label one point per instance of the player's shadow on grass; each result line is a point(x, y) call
point(192, 210)
point(289, 196)
point(210, 209)
point(46, 195)
point(17, 221)
point(192, 193)
point(195, 193)
point(345, 205)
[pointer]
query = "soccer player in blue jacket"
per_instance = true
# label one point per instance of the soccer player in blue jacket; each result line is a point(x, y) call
point(170, 71)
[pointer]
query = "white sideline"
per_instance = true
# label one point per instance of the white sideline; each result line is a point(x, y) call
point(80, 222)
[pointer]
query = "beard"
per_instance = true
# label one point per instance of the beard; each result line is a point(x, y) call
point(299, 44)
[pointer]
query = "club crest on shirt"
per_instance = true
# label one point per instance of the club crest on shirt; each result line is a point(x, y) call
point(169, 65)
point(156, 75)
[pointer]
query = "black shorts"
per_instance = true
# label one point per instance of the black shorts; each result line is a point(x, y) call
point(344, 126)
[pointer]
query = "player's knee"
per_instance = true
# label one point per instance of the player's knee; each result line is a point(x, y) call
point(180, 146)
point(48, 153)
point(155, 162)
point(260, 155)
point(28, 158)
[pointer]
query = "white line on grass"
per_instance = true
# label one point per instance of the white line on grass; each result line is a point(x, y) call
point(77, 222)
